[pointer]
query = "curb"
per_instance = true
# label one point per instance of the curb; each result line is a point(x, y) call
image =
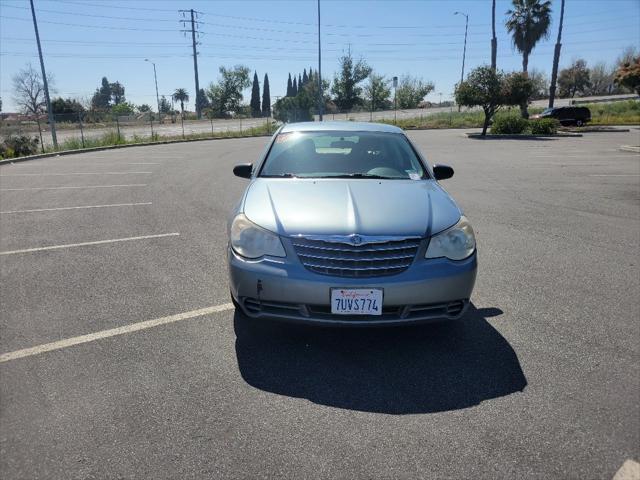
point(629, 148)
point(114, 147)
point(599, 130)
point(489, 136)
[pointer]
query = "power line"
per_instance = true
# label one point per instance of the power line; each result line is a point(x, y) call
point(76, 14)
point(103, 27)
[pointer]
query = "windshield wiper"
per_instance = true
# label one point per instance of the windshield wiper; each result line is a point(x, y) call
point(361, 175)
point(281, 175)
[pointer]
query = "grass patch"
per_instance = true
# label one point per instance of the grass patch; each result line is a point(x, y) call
point(469, 119)
point(625, 112)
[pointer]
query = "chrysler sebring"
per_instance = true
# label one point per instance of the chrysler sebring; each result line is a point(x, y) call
point(345, 223)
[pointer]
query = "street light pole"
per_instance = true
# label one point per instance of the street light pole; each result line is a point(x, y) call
point(155, 78)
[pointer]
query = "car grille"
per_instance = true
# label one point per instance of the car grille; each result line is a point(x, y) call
point(368, 260)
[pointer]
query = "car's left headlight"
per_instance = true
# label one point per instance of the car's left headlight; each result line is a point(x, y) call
point(251, 241)
point(455, 243)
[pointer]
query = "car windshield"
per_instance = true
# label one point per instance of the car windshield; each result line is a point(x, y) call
point(547, 110)
point(342, 155)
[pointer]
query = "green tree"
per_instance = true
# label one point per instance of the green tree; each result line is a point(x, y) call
point(294, 87)
point(517, 89)
point(528, 23)
point(255, 97)
point(289, 87)
point(346, 85)
point(123, 109)
point(490, 90)
point(165, 106)
point(102, 97)
point(305, 77)
point(301, 107)
point(628, 75)
point(377, 92)
point(107, 94)
point(266, 97)
point(117, 93)
point(67, 106)
point(411, 91)
point(575, 79)
point(181, 95)
point(226, 95)
point(144, 108)
point(202, 102)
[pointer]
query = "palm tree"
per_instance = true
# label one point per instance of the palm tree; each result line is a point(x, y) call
point(528, 22)
point(181, 95)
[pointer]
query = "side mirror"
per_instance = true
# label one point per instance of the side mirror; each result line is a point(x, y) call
point(243, 170)
point(442, 172)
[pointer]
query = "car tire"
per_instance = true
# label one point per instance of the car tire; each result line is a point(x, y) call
point(579, 123)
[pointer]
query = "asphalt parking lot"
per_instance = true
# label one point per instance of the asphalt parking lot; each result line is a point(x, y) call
point(541, 380)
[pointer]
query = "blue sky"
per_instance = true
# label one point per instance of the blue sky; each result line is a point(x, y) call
point(86, 40)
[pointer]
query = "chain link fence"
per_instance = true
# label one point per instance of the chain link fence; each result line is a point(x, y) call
point(85, 130)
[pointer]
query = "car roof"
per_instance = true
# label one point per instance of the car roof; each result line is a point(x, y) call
point(340, 126)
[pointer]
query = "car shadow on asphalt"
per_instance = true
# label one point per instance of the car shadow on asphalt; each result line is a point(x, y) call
point(418, 369)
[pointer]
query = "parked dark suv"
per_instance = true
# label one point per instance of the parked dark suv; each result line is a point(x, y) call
point(577, 116)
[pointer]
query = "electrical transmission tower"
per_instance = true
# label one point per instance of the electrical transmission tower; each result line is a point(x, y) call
point(193, 23)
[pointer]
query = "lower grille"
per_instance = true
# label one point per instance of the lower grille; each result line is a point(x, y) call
point(357, 261)
point(258, 308)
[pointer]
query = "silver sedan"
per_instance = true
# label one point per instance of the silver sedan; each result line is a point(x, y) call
point(345, 223)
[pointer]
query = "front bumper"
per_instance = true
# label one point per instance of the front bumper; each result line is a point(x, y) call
point(283, 289)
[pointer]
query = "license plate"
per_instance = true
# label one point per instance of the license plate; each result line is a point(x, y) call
point(356, 301)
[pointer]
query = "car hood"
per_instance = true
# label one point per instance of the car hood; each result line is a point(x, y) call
point(343, 207)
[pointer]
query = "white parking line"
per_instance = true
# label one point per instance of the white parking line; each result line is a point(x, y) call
point(92, 337)
point(615, 175)
point(83, 244)
point(71, 173)
point(75, 208)
point(630, 470)
point(63, 188)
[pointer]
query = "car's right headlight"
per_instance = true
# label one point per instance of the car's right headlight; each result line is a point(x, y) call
point(251, 241)
point(455, 243)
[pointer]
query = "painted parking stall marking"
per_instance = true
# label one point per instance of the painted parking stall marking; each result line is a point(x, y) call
point(92, 337)
point(78, 187)
point(75, 208)
point(85, 244)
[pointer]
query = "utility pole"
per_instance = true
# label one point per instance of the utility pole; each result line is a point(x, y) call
point(52, 121)
point(155, 77)
point(556, 60)
point(464, 51)
point(193, 31)
point(494, 40)
point(320, 95)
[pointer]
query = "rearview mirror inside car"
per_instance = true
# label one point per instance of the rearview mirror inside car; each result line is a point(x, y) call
point(243, 170)
point(442, 172)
